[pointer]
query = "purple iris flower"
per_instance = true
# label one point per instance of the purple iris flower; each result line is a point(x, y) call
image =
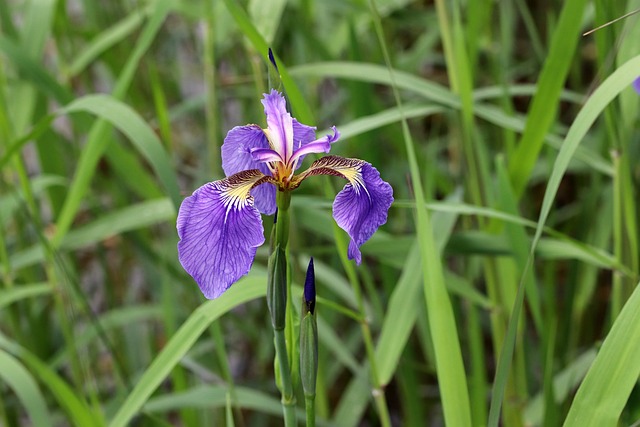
point(636, 85)
point(219, 225)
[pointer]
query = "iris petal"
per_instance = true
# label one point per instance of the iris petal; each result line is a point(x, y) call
point(322, 145)
point(220, 230)
point(636, 85)
point(362, 205)
point(237, 157)
point(279, 124)
point(302, 135)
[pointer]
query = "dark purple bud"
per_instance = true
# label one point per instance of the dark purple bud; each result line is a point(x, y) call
point(272, 59)
point(310, 288)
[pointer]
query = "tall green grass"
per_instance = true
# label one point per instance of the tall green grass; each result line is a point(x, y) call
point(501, 291)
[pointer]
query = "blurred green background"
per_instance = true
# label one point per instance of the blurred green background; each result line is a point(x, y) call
point(509, 260)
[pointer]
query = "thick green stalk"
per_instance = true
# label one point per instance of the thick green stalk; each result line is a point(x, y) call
point(276, 299)
point(310, 405)
point(309, 364)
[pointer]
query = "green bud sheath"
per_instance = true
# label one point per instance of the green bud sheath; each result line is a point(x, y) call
point(277, 288)
point(308, 353)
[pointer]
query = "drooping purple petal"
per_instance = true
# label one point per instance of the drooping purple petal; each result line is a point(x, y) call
point(362, 205)
point(302, 135)
point(236, 150)
point(237, 157)
point(636, 85)
point(265, 198)
point(279, 123)
point(220, 230)
point(322, 145)
point(264, 155)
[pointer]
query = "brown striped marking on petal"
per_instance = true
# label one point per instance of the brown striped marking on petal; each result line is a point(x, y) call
point(349, 169)
point(235, 189)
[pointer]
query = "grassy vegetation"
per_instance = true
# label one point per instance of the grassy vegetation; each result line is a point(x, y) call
point(502, 290)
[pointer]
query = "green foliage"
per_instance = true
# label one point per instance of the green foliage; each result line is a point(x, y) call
point(501, 291)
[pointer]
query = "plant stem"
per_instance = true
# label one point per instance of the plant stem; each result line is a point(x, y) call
point(310, 405)
point(281, 240)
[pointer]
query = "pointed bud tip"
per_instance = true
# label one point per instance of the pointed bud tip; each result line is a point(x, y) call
point(310, 288)
point(272, 59)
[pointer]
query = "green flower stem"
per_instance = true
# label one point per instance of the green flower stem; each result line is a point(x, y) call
point(310, 405)
point(277, 303)
point(283, 201)
point(309, 364)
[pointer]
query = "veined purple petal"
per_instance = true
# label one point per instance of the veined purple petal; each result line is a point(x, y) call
point(279, 124)
point(220, 230)
point(237, 157)
point(302, 135)
point(322, 145)
point(636, 85)
point(236, 150)
point(264, 155)
point(362, 205)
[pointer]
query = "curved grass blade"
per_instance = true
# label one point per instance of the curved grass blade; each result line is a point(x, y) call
point(452, 380)
point(11, 295)
point(98, 138)
point(606, 387)
point(133, 217)
point(34, 72)
point(78, 411)
point(434, 92)
point(24, 386)
point(244, 290)
point(129, 122)
point(621, 79)
point(544, 104)
point(105, 40)
point(405, 300)
point(302, 111)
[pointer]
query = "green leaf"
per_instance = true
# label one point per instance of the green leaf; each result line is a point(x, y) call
point(405, 300)
point(544, 105)
point(244, 290)
point(107, 39)
point(606, 388)
point(99, 136)
point(140, 215)
point(20, 292)
point(125, 119)
point(24, 386)
point(74, 406)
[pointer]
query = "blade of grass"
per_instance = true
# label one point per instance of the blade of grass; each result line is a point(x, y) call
point(300, 107)
point(378, 74)
point(606, 387)
point(244, 290)
point(106, 40)
point(24, 386)
point(405, 299)
point(620, 79)
point(98, 139)
point(9, 296)
point(545, 102)
point(449, 365)
point(74, 406)
point(139, 133)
